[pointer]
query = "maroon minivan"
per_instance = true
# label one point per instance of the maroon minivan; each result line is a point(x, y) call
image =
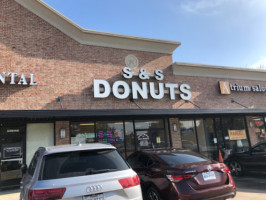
point(178, 174)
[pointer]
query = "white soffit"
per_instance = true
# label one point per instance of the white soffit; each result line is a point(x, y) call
point(96, 38)
point(190, 69)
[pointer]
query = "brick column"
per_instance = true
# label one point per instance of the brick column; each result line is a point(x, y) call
point(58, 126)
point(176, 138)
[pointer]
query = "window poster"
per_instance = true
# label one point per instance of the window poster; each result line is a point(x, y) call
point(110, 136)
point(12, 152)
point(237, 134)
point(83, 138)
point(143, 140)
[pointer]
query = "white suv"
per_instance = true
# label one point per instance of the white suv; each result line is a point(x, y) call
point(80, 172)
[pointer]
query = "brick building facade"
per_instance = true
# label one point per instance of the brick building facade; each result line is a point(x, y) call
point(48, 66)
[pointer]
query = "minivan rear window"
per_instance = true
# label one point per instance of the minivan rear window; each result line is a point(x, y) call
point(176, 158)
point(81, 163)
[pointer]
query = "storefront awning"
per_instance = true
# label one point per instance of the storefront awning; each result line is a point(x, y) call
point(39, 114)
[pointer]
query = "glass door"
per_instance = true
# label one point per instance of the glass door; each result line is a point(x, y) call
point(231, 135)
point(12, 145)
point(207, 137)
point(219, 133)
point(188, 134)
point(151, 134)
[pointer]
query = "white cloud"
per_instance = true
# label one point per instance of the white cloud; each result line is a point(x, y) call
point(214, 7)
point(261, 64)
point(208, 7)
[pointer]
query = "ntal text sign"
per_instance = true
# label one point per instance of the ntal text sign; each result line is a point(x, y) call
point(15, 78)
point(122, 89)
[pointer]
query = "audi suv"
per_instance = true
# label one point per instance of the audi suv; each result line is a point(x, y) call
point(79, 172)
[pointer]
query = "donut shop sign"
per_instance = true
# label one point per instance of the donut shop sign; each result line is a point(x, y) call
point(122, 89)
point(14, 78)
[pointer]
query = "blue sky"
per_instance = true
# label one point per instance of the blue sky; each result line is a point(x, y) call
point(218, 32)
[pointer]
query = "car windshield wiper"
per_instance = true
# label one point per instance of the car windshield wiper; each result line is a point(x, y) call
point(92, 171)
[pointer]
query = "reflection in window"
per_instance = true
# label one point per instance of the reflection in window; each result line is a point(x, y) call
point(149, 124)
point(111, 132)
point(144, 140)
point(188, 135)
point(206, 137)
point(82, 132)
point(235, 134)
point(256, 129)
point(151, 134)
point(129, 137)
point(219, 132)
point(260, 148)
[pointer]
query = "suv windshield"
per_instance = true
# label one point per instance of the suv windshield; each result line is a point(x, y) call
point(180, 158)
point(81, 163)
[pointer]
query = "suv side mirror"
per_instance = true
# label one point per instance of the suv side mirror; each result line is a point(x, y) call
point(24, 168)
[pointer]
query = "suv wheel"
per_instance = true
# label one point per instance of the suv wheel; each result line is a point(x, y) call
point(152, 194)
point(236, 168)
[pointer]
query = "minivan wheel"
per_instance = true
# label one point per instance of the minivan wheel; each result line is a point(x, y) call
point(152, 194)
point(236, 168)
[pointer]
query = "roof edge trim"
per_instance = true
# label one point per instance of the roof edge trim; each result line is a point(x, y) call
point(201, 70)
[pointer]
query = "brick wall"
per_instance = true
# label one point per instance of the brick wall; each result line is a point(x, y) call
point(175, 134)
point(206, 94)
point(58, 126)
point(62, 66)
point(67, 69)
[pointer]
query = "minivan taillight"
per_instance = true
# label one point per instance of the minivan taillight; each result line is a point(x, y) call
point(129, 182)
point(51, 194)
point(177, 178)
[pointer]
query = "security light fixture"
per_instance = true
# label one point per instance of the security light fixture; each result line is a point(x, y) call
point(174, 127)
point(62, 133)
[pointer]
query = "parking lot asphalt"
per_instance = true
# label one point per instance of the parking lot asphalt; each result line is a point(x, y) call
point(10, 194)
point(251, 187)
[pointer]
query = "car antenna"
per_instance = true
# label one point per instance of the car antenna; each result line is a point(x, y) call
point(79, 144)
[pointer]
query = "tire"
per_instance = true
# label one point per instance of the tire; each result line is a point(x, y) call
point(236, 168)
point(152, 194)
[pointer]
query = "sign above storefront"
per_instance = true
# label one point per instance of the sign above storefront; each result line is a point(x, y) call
point(122, 89)
point(14, 78)
point(226, 88)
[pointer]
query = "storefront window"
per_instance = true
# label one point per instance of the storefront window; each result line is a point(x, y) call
point(129, 137)
point(219, 132)
point(151, 134)
point(149, 124)
point(256, 128)
point(188, 134)
point(235, 136)
point(139, 134)
point(82, 132)
point(167, 133)
point(111, 132)
point(206, 137)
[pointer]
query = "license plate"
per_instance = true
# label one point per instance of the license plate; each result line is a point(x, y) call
point(208, 176)
point(94, 197)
